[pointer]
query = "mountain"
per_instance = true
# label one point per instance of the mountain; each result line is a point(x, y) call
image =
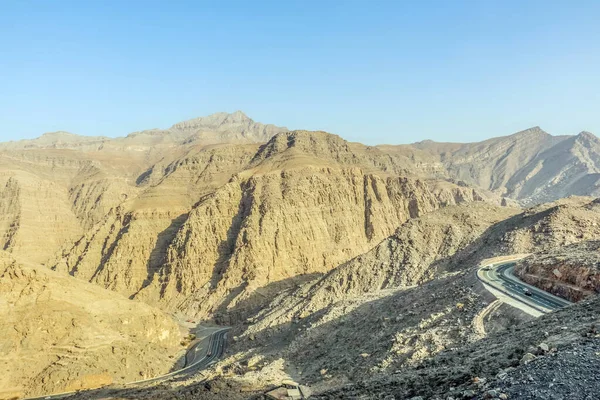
point(300, 205)
point(216, 128)
point(408, 318)
point(57, 140)
point(414, 296)
point(300, 240)
point(530, 166)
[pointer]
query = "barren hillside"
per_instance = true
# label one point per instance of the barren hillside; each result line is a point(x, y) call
point(61, 334)
point(217, 231)
point(384, 331)
point(531, 166)
point(300, 240)
point(414, 295)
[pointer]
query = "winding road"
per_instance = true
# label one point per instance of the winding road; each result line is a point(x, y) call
point(499, 279)
point(199, 356)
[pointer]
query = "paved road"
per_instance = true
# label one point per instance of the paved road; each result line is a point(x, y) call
point(500, 277)
point(198, 357)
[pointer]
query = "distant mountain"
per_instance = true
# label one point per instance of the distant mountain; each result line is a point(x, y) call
point(56, 140)
point(230, 126)
point(221, 127)
point(530, 166)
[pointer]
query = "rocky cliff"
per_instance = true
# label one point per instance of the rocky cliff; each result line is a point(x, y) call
point(304, 206)
point(217, 231)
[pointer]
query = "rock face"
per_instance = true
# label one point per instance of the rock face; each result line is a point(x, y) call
point(203, 218)
point(283, 224)
point(216, 231)
point(60, 334)
point(572, 271)
point(418, 251)
point(530, 166)
point(35, 216)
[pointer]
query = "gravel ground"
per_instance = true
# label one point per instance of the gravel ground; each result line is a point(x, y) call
point(496, 364)
point(571, 373)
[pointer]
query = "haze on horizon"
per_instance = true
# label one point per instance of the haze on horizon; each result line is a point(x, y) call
point(384, 72)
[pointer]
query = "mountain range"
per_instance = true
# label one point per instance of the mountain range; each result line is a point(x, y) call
point(228, 220)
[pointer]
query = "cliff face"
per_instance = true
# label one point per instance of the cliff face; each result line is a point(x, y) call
point(61, 334)
point(571, 272)
point(453, 239)
point(35, 216)
point(261, 231)
point(419, 250)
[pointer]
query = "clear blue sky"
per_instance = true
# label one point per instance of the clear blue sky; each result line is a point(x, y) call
point(371, 71)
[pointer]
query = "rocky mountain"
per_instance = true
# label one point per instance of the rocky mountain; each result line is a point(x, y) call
point(551, 357)
point(300, 240)
point(57, 140)
point(382, 331)
point(221, 127)
point(530, 166)
point(61, 334)
point(302, 203)
point(416, 291)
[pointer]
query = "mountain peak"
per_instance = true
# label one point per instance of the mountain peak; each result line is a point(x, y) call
point(586, 134)
point(587, 137)
point(215, 121)
point(533, 131)
point(239, 114)
point(59, 134)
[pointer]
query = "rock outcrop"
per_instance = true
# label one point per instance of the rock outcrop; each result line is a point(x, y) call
point(416, 292)
point(571, 272)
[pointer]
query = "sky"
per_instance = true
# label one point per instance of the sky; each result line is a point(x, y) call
point(370, 71)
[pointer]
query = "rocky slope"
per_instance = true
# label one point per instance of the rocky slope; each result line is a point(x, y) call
point(35, 216)
point(61, 334)
point(303, 241)
point(572, 271)
point(379, 335)
point(302, 207)
point(263, 218)
point(560, 345)
point(530, 166)
point(553, 357)
point(415, 293)
point(419, 250)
